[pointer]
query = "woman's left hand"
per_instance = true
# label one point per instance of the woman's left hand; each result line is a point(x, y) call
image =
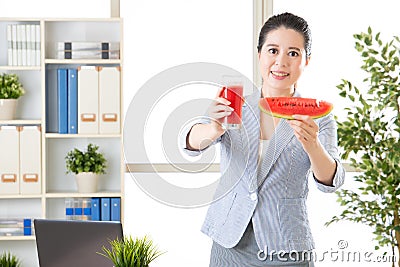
point(306, 131)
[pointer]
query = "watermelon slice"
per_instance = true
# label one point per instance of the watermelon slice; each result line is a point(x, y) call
point(286, 107)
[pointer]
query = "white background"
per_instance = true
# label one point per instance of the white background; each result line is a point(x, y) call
point(160, 34)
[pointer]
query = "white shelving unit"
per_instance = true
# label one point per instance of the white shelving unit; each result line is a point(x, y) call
point(31, 110)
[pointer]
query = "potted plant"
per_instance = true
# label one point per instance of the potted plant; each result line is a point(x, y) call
point(369, 136)
point(128, 252)
point(87, 166)
point(9, 260)
point(10, 90)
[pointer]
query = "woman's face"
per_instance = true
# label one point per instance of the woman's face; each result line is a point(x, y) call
point(282, 59)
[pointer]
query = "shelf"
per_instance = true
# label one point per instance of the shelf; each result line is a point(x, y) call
point(37, 68)
point(82, 195)
point(59, 136)
point(19, 196)
point(17, 238)
point(45, 151)
point(21, 122)
point(4, 19)
point(82, 19)
point(83, 61)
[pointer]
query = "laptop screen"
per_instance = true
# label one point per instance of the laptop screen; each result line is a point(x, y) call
point(63, 243)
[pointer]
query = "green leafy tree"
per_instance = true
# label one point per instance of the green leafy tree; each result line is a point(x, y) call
point(369, 136)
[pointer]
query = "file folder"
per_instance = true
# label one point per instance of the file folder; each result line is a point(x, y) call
point(37, 46)
point(33, 45)
point(116, 209)
point(88, 98)
point(14, 44)
point(9, 45)
point(28, 45)
point(19, 44)
point(27, 231)
point(51, 101)
point(109, 99)
point(95, 209)
point(9, 160)
point(27, 226)
point(62, 98)
point(78, 209)
point(22, 29)
point(69, 208)
point(30, 160)
point(72, 101)
point(87, 209)
point(105, 209)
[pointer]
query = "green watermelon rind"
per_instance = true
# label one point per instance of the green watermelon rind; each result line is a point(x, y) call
point(263, 102)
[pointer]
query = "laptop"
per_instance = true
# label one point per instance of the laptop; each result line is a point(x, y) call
point(63, 243)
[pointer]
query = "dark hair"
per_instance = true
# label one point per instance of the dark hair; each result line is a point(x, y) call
point(289, 21)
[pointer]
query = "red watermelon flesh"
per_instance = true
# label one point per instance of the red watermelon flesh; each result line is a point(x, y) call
point(286, 107)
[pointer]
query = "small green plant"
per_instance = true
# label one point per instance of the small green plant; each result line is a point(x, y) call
point(10, 87)
point(128, 252)
point(91, 160)
point(9, 260)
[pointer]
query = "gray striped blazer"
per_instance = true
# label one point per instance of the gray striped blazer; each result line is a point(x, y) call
point(274, 195)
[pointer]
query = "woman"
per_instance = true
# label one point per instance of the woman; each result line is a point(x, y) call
point(263, 216)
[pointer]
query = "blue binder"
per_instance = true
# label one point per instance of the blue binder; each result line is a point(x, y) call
point(78, 211)
point(62, 100)
point(87, 211)
point(27, 231)
point(27, 227)
point(69, 212)
point(105, 209)
point(51, 101)
point(95, 209)
point(116, 209)
point(28, 223)
point(72, 101)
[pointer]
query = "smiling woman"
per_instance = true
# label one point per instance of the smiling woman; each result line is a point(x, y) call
point(265, 211)
point(282, 61)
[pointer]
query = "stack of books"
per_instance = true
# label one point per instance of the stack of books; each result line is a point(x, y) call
point(87, 50)
point(15, 227)
point(93, 209)
point(23, 44)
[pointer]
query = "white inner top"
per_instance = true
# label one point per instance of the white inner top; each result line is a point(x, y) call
point(262, 148)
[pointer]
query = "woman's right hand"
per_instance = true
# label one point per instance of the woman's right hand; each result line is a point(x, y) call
point(202, 135)
point(218, 110)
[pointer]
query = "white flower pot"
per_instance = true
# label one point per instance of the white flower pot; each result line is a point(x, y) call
point(87, 182)
point(7, 109)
